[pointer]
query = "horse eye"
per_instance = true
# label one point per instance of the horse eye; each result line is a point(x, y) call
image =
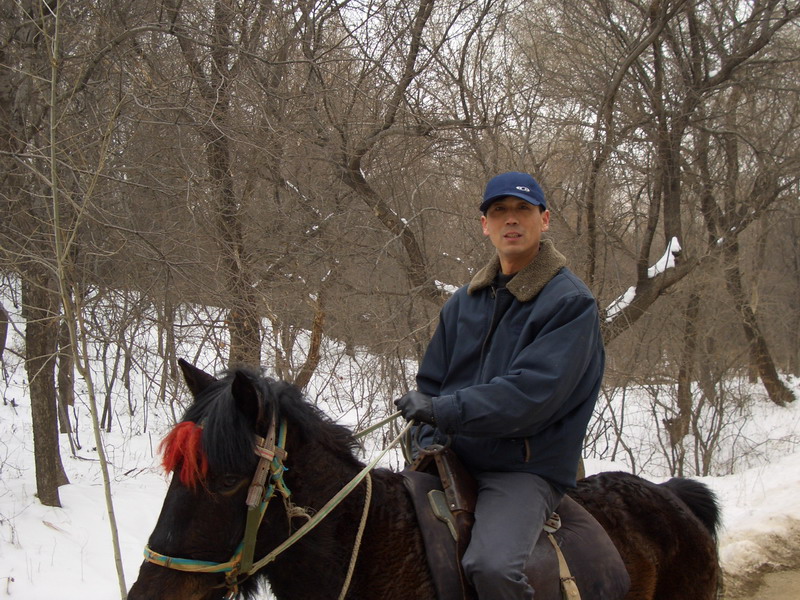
point(229, 483)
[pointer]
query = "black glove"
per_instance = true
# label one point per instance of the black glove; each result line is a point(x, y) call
point(416, 406)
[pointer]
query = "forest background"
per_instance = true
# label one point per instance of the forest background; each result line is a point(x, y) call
point(311, 170)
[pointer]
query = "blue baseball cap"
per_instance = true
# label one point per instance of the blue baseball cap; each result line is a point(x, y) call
point(513, 183)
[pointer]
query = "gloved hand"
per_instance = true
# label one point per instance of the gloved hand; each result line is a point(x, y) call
point(416, 406)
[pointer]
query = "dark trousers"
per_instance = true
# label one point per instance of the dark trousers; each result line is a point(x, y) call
point(509, 516)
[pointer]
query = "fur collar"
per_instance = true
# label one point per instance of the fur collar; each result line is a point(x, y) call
point(526, 284)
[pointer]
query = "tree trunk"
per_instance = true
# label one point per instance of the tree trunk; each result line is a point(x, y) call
point(244, 323)
point(66, 387)
point(244, 320)
point(678, 427)
point(759, 350)
point(688, 358)
point(312, 360)
point(3, 330)
point(39, 306)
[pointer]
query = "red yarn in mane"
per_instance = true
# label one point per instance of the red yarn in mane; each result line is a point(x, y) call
point(182, 449)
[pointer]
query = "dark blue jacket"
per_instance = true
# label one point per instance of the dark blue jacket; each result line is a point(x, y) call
point(515, 391)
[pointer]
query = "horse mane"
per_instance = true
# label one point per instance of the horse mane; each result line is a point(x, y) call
point(214, 434)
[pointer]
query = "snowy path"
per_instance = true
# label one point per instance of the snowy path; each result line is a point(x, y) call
point(781, 585)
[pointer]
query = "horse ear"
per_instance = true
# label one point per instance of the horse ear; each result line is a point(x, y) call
point(196, 379)
point(246, 397)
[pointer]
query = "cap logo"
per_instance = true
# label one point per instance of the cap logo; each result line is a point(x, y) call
point(522, 188)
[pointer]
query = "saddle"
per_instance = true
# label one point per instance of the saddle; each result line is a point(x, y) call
point(573, 559)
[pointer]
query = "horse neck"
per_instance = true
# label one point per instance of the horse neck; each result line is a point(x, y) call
point(316, 473)
point(316, 567)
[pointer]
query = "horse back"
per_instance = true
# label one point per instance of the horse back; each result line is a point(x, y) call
point(669, 550)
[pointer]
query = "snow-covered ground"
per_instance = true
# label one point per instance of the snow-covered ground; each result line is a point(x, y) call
point(66, 552)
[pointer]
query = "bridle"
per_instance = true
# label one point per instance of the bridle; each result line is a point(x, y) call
point(267, 481)
point(271, 452)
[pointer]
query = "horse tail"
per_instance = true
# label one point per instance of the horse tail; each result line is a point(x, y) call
point(700, 500)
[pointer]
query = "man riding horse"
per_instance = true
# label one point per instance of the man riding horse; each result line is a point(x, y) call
point(510, 380)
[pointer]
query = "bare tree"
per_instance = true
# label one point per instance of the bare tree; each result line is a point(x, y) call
point(27, 243)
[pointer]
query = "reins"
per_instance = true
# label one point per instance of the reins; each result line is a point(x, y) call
point(331, 504)
point(271, 453)
point(267, 480)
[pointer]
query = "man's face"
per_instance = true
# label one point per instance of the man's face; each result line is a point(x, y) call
point(515, 228)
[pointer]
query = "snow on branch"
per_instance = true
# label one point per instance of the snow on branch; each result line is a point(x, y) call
point(446, 287)
point(667, 261)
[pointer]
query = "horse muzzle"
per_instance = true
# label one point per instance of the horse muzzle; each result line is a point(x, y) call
point(157, 583)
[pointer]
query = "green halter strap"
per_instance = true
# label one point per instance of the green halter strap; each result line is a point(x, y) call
point(267, 480)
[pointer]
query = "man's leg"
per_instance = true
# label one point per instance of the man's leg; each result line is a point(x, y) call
point(509, 516)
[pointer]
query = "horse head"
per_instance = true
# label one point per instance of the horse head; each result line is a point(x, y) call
point(197, 548)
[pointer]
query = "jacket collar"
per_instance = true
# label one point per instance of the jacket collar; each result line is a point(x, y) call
point(526, 284)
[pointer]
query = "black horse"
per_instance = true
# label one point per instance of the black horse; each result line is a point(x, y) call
point(199, 548)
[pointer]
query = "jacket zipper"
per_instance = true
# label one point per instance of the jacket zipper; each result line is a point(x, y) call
point(500, 308)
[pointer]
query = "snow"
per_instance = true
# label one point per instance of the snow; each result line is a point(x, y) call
point(620, 303)
point(762, 508)
point(66, 552)
point(667, 261)
point(447, 288)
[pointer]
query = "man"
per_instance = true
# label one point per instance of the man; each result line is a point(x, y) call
point(510, 378)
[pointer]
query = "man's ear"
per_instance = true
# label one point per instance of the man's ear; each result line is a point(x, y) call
point(545, 220)
point(196, 379)
point(484, 223)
